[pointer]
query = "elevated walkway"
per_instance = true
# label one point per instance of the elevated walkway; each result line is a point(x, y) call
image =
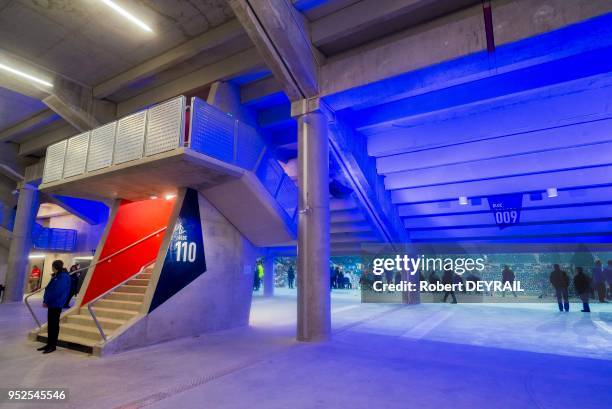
point(156, 152)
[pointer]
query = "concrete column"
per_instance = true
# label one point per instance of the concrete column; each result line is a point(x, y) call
point(21, 242)
point(5, 217)
point(314, 319)
point(268, 283)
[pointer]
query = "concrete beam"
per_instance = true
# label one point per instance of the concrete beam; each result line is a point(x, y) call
point(27, 125)
point(38, 142)
point(227, 68)
point(206, 41)
point(281, 34)
point(399, 59)
point(350, 150)
point(258, 91)
point(10, 165)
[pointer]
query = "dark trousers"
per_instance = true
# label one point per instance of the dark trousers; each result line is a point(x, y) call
point(53, 320)
point(585, 302)
point(452, 294)
point(562, 298)
point(290, 282)
point(601, 291)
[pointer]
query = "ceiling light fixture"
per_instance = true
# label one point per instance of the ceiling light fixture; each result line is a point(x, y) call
point(152, 197)
point(463, 200)
point(127, 15)
point(26, 76)
point(552, 192)
point(170, 196)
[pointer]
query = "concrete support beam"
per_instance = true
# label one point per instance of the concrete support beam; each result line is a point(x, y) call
point(449, 38)
point(350, 150)
point(10, 165)
point(261, 90)
point(281, 34)
point(314, 318)
point(21, 242)
point(227, 68)
point(27, 125)
point(36, 143)
point(210, 39)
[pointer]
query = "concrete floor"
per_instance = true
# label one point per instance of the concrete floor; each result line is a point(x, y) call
point(383, 356)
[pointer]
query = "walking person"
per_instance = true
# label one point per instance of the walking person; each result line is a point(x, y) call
point(55, 297)
point(582, 284)
point(560, 282)
point(508, 277)
point(74, 284)
point(34, 279)
point(290, 276)
point(599, 281)
point(449, 278)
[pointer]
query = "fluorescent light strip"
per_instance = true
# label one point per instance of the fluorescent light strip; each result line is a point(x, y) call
point(127, 15)
point(24, 75)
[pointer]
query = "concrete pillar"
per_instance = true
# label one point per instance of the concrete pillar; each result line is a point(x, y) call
point(21, 242)
point(268, 283)
point(314, 319)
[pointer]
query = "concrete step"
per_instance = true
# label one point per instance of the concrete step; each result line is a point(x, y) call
point(113, 313)
point(136, 297)
point(138, 282)
point(131, 289)
point(144, 276)
point(118, 304)
point(108, 324)
point(80, 331)
point(69, 341)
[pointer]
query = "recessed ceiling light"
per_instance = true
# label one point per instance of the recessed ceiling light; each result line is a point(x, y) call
point(152, 197)
point(463, 200)
point(170, 196)
point(26, 76)
point(552, 192)
point(127, 15)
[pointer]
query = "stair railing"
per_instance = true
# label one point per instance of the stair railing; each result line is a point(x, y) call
point(107, 258)
point(91, 303)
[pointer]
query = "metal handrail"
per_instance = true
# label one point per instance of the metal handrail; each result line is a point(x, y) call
point(88, 267)
point(90, 303)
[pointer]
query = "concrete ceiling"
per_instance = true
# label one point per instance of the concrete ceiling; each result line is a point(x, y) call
point(15, 107)
point(86, 41)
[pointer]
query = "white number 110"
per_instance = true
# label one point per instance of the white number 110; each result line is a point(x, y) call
point(185, 251)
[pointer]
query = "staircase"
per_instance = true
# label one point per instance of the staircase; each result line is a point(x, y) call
point(78, 330)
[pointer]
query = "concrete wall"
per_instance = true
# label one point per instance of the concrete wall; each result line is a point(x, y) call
point(218, 299)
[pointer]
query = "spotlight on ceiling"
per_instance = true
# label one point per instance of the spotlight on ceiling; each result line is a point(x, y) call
point(552, 192)
point(120, 10)
point(463, 200)
point(24, 75)
point(152, 197)
point(170, 196)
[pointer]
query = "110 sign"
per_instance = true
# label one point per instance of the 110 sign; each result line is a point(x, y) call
point(185, 251)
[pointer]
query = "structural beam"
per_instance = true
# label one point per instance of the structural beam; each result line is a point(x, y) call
point(455, 36)
point(27, 125)
point(206, 41)
point(350, 150)
point(281, 34)
point(227, 68)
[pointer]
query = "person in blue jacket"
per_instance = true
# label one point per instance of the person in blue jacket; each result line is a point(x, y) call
point(56, 294)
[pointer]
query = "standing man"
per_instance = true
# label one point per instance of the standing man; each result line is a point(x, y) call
point(56, 294)
point(599, 281)
point(508, 277)
point(560, 281)
point(582, 284)
point(290, 276)
point(608, 277)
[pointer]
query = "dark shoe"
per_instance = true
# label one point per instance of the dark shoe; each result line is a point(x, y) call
point(42, 348)
point(48, 350)
point(585, 310)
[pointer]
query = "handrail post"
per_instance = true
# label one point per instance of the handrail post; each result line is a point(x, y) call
point(93, 315)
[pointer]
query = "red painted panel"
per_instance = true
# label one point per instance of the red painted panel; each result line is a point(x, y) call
point(133, 221)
